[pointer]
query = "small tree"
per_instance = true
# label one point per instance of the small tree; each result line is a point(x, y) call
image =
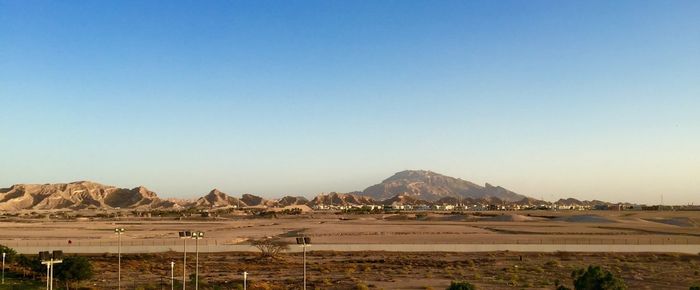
point(595, 278)
point(30, 264)
point(73, 269)
point(9, 253)
point(461, 285)
point(270, 248)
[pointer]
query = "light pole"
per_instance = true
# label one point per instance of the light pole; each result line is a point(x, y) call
point(304, 242)
point(245, 278)
point(184, 235)
point(48, 275)
point(49, 259)
point(3, 267)
point(196, 236)
point(119, 232)
point(172, 275)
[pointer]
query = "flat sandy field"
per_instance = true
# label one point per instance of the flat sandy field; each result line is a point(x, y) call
point(382, 269)
point(525, 227)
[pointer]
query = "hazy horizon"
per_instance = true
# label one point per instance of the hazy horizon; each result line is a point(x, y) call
point(592, 100)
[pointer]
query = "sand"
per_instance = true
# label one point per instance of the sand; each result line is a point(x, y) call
point(495, 227)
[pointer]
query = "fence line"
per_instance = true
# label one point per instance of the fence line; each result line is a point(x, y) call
point(175, 242)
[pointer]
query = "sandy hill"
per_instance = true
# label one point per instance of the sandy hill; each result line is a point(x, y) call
point(431, 186)
point(78, 195)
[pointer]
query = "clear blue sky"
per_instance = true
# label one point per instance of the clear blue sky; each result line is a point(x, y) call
point(590, 99)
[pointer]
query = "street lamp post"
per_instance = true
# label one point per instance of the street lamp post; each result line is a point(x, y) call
point(304, 242)
point(197, 236)
point(119, 232)
point(172, 275)
point(3, 267)
point(245, 279)
point(49, 259)
point(184, 235)
point(48, 275)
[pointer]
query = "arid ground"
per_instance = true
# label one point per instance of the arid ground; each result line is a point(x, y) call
point(391, 270)
point(386, 270)
point(527, 227)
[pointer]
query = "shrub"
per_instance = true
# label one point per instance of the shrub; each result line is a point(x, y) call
point(461, 285)
point(557, 283)
point(552, 263)
point(595, 278)
point(73, 269)
point(270, 248)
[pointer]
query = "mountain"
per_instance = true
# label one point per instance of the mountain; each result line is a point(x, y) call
point(216, 198)
point(431, 186)
point(575, 202)
point(292, 200)
point(340, 199)
point(79, 195)
point(528, 201)
point(405, 200)
point(254, 200)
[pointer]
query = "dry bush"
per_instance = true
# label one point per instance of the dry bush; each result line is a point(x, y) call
point(270, 248)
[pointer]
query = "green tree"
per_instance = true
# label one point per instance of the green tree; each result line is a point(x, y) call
point(595, 278)
point(73, 270)
point(30, 264)
point(9, 253)
point(461, 285)
point(695, 287)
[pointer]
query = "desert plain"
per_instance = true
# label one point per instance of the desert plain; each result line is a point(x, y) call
point(401, 250)
point(523, 227)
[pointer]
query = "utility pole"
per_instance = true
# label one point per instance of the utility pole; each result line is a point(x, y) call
point(304, 242)
point(184, 235)
point(197, 236)
point(49, 259)
point(119, 232)
point(172, 275)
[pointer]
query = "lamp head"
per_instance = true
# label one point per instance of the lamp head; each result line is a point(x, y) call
point(44, 256)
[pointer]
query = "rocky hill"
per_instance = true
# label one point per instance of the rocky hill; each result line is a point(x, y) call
point(216, 198)
point(405, 200)
point(431, 186)
point(411, 187)
point(292, 200)
point(79, 195)
point(575, 202)
point(340, 199)
point(257, 201)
